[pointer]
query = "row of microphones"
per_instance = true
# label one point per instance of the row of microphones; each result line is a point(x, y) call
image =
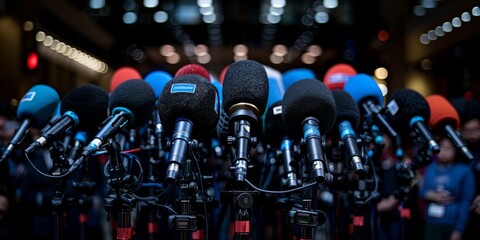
point(83, 109)
point(190, 106)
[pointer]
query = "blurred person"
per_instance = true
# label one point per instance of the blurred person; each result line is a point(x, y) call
point(398, 188)
point(447, 190)
point(469, 113)
point(470, 131)
point(5, 224)
point(387, 208)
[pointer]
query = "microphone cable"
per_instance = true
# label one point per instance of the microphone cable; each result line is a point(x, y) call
point(279, 192)
point(200, 179)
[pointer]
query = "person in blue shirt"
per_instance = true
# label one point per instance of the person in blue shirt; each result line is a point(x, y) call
point(448, 190)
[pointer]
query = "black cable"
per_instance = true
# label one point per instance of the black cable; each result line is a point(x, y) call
point(280, 192)
point(150, 198)
point(202, 190)
point(167, 207)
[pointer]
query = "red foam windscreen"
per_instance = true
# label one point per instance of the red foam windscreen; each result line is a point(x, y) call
point(442, 112)
point(337, 75)
point(222, 74)
point(123, 74)
point(193, 69)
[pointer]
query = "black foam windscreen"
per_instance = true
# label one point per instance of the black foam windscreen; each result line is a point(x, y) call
point(191, 97)
point(403, 105)
point(135, 95)
point(308, 98)
point(274, 128)
point(347, 108)
point(245, 81)
point(89, 102)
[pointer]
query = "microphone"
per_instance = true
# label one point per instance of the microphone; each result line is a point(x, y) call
point(186, 106)
point(222, 125)
point(275, 86)
point(308, 110)
point(245, 95)
point(222, 74)
point(123, 74)
point(444, 119)
point(274, 76)
point(368, 96)
point(291, 76)
point(157, 80)
point(348, 119)
point(83, 107)
point(193, 69)
point(337, 75)
point(407, 107)
point(80, 140)
point(129, 105)
point(36, 108)
point(275, 130)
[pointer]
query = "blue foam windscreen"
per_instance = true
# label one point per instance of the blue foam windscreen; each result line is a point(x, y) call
point(291, 76)
point(39, 105)
point(157, 80)
point(363, 87)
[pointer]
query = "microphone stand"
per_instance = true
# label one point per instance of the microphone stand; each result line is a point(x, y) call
point(307, 216)
point(185, 222)
point(363, 194)
point(86, 187)
point(156, 155)
point(59, 202)
point(405, 175)
point(242, 201)
point(60, 166)
point(119, 201)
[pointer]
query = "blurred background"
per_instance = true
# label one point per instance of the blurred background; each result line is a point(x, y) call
point(427, 45)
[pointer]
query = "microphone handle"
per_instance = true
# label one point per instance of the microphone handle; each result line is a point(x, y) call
point(288, 161)
point(314, 145)
point(426, 134)
point(458, 142)
point(242, 148)
point(374, 110)
point(22, 129)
